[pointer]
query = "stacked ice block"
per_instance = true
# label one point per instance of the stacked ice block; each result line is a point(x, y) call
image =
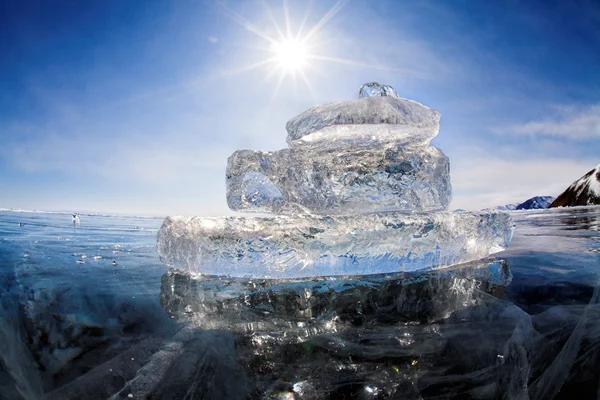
point(358, 191)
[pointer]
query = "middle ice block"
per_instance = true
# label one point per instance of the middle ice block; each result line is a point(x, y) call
point(344, 181)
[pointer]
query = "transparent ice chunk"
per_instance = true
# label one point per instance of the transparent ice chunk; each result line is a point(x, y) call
point(383, 119)
point(306, 245)
point(376, 89)
point(339, 182)
point(258, 190)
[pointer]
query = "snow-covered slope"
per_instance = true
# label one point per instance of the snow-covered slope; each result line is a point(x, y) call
point(534, 203)
point(507, 207)
point(584, 191)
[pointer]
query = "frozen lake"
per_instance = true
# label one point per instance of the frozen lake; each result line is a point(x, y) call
point(90, 312)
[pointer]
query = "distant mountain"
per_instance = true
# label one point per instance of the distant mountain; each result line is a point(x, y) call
point(583, 192)
point(535, 203)
point(507, 207)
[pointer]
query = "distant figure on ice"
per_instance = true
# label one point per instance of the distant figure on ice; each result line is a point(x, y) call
point(76, 219)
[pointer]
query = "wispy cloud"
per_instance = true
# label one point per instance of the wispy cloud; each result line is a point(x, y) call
point(569, 122)
point(130, 157)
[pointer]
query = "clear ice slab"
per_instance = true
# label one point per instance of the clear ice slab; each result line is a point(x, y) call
point(288, 247)
point(347, 181)
point(363, 122)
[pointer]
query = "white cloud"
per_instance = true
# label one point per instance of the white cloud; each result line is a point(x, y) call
point(488, 181)
point(570, 122)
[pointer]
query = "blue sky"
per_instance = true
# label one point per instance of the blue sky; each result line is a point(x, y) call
point(134, 107)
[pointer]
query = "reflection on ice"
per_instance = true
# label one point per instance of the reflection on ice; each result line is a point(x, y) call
point(436, 334)
point(326, 338)
point(404, 297)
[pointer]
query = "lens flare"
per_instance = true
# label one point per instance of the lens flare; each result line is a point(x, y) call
point(293, 45)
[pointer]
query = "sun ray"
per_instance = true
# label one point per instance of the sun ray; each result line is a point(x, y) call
point(337, 7)
point(238, 19)
point(279, 81)
point(354, 63)
point(262, 48)
point(269, 75)
point(249, 67)
point(273, 20)
point(308, 85)
point(286, 15)
point(295, 81)
point(304, 19)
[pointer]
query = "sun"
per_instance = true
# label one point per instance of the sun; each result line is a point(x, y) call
point(290, 55)
point(291, 48)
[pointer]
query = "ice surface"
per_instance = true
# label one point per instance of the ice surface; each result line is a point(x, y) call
point(379, 119)
point(372, 89)
point(389, 178)
point(307, 245)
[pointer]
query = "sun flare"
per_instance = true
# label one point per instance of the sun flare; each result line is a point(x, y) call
point(292, 46)
point(290, 54)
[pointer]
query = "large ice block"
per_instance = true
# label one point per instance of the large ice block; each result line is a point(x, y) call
point(307, 245)
point(364, 122)
point(339, 182)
